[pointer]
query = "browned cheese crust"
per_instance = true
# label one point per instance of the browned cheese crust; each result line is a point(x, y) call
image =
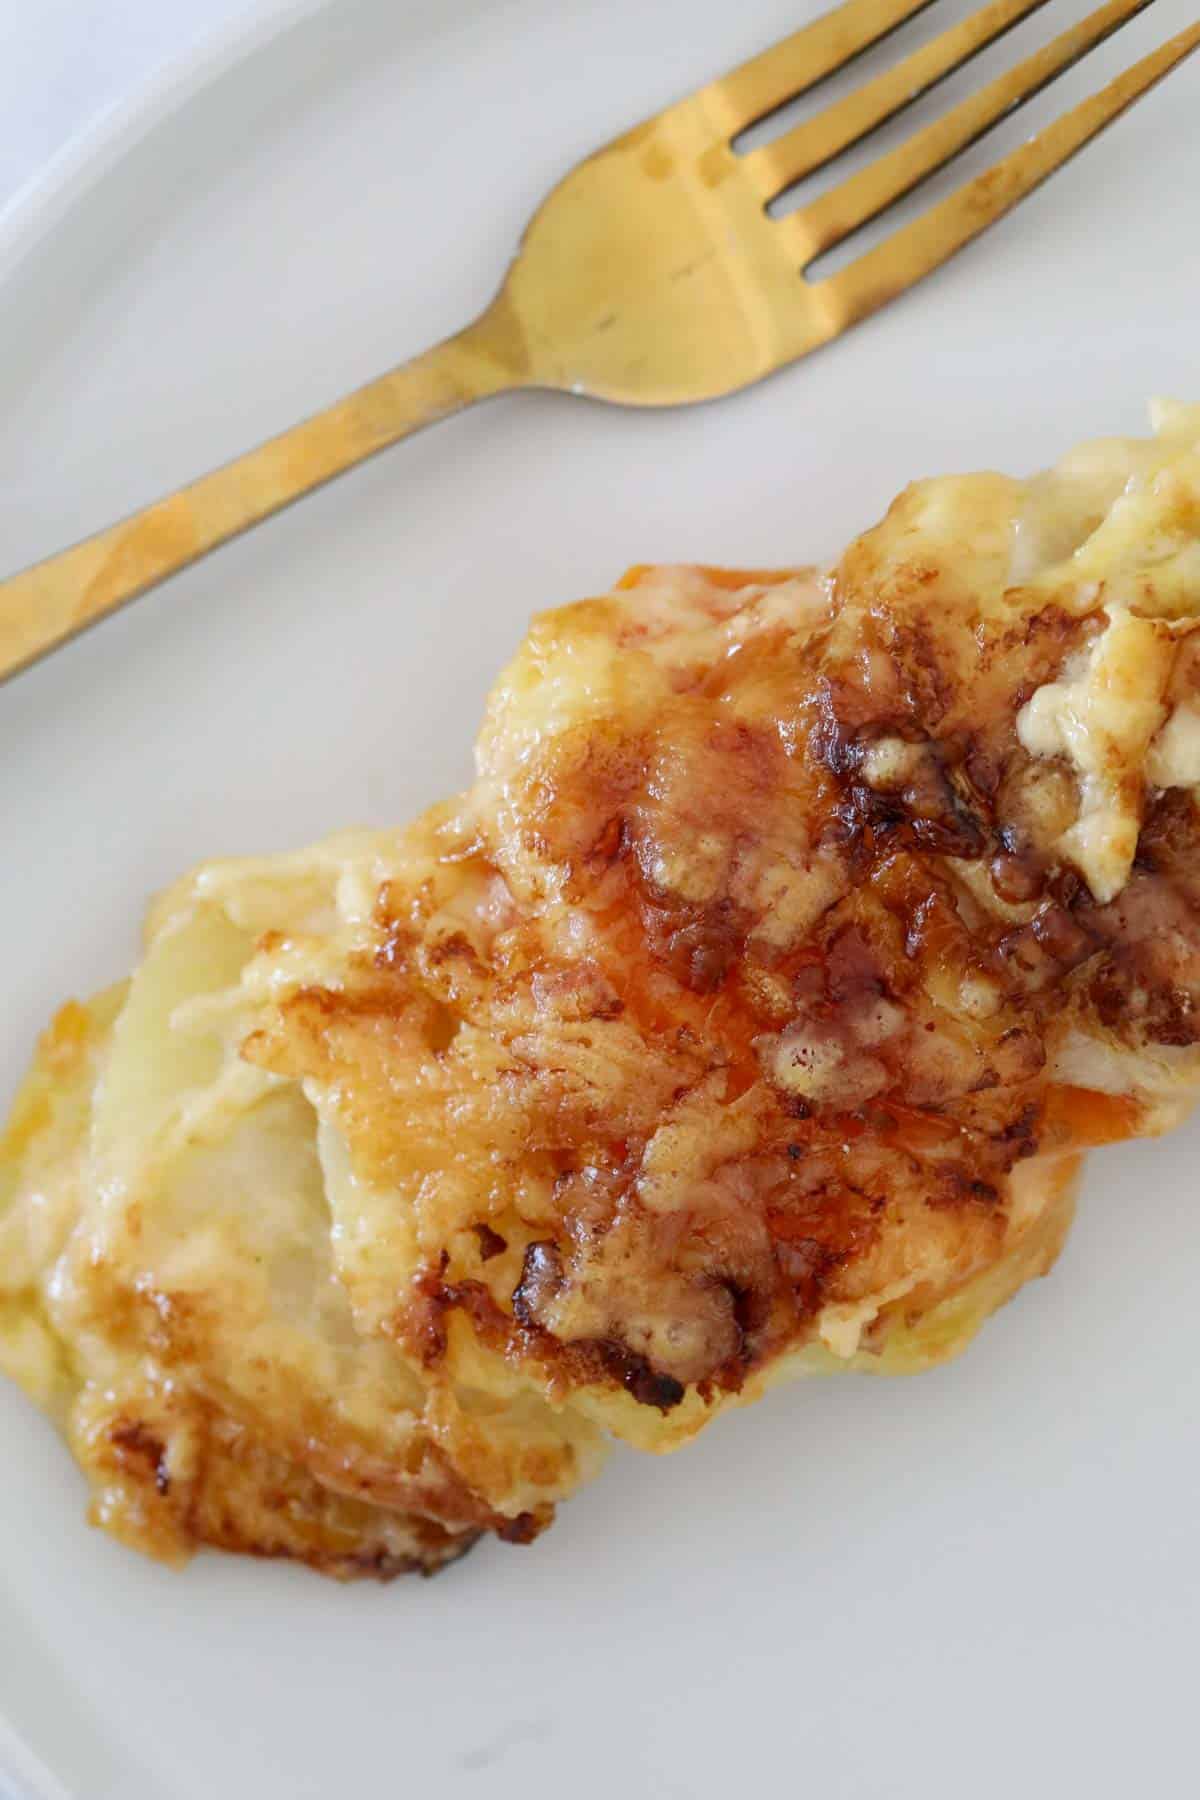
point(748, 1015)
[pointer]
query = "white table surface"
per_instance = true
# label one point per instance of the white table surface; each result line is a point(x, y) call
point(63, 62)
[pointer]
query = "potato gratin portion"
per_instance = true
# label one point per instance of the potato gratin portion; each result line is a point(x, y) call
point(747, 1017)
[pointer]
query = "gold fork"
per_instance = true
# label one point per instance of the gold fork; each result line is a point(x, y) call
point(653, 275)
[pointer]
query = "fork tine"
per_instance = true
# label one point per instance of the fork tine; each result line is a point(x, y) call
point(858, 290)
point(796, 63)
point(834, 215)
point(817, 141)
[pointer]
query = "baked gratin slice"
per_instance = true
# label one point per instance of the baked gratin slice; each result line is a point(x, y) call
point(748, 1017)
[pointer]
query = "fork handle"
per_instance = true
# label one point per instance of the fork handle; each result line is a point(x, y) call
point(49, 602)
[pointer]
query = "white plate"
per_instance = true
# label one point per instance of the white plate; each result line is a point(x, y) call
point(982, 1581)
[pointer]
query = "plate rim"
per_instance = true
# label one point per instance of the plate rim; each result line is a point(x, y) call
point(42, 202)
point(27, 1776)
point(38, 208)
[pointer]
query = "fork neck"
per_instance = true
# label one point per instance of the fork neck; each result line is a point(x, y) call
point(488, 356)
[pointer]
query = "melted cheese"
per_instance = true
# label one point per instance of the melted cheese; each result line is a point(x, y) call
point(695, 1047)
point(1138, 569)
point(1102, 717)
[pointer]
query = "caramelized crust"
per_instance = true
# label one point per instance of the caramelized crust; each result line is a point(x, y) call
point(169, 1477)
point(748, 1016)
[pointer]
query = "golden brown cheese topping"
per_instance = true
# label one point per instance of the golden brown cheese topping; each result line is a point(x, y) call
point(748, 1015)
